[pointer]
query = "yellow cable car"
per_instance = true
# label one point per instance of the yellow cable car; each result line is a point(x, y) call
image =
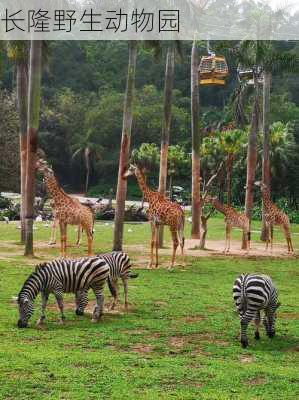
point(212, 70)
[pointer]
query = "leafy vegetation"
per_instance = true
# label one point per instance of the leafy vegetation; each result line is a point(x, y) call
point(83, 94)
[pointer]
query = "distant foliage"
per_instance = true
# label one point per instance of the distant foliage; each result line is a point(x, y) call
point(9, 143)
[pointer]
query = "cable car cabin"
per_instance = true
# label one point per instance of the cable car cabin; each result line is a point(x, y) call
point(212, 70)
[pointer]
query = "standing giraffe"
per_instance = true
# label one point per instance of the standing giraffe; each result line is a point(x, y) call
point(161, 211)
point(274, 216)
point(232, 219)
point(67, 210)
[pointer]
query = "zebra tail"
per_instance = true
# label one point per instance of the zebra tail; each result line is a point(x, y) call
point(132, 275)
point(111, 288)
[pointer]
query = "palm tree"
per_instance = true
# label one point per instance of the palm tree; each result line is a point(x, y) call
point(249, 55)
point(272, 61)
point(168, 89)
point(89, 150)
point(35, 72)
point(125, 147)
point(18, 52)
point(196, 142)
point(230, 142)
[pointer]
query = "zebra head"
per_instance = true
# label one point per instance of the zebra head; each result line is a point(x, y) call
point(26, 309)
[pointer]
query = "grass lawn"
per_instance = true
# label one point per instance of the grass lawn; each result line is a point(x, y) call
point(179, 340)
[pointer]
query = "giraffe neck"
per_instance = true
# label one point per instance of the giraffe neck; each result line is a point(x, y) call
point(143, 186)
point(266, 198)
point(220, 206)
point(54, 189)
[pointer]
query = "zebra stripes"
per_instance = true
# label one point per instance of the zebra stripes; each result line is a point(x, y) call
point(120, 267)
point(253, 293)
point(63, 276)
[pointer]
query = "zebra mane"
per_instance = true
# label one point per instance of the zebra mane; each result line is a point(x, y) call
point(28, 280)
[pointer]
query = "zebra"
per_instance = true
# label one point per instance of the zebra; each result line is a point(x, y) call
point(63, 276)
point(120, 267)
point(253, 293)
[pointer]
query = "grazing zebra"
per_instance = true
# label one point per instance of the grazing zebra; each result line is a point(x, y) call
point(120, 265)
point(253, 293)
point(63, 276)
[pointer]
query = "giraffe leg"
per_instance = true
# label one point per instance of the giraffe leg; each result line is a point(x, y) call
point(63, 238)
point(79, 236)
point(157, 245)
point(89, 235)
point(287, 235)
point(175, 243)
point(246, 236)
point(267, 236)
point(225, 247)
point(229, 238)
point(271, 237)
point(152, 245)
point(53, 232)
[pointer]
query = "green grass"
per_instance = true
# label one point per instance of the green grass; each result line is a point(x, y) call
point(179, 341)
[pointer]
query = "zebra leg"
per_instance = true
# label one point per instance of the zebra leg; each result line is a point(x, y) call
point(59, 299)
point(257, 322)
point(81, 301)
point(98, 310)
point(245, 319)
point(125, 283)
point(269, 323)
point(116, 297)
point(42, 318)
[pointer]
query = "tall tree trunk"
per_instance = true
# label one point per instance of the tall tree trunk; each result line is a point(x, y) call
point(196, 141)
point(125, 148)
point(266, 141)
point(229, 167)
point(168, 89)
point(87, 165)
point(35, 71)
point(252, 156)
point(22, 95)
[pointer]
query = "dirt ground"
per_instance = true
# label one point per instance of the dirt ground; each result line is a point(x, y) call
point(214, 248)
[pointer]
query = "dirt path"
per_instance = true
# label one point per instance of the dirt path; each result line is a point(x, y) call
point(214, 249)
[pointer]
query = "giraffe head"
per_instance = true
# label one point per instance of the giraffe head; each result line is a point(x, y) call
point(209, 199)
point(132, 170)
point(262, 185)
point(42, 166)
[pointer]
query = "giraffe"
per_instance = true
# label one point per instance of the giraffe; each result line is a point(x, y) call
point(232, 219)
point(67, 210)
point(161, 211)
point(274, 216)
point(95, 207)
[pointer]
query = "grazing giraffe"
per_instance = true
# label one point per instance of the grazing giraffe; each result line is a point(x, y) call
point(274, 216)
point(67, 210)
point(232, 219)
point(161, 211)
